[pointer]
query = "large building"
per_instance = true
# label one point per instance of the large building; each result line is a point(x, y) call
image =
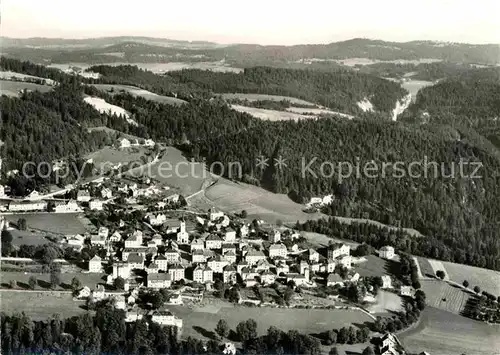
point(386, 252)
point(159, 280)
point(338, 249)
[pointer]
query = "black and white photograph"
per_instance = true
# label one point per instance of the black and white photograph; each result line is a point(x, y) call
point(250, 178)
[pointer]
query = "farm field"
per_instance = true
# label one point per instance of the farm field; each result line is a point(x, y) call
point(436, 291)
point(198, 324)
point(444, 333)
point(488, 280)
point(135, 91)
point(9, 75)
point(425, 267)
point(261, 97)
point(375, 266)
point(437, 265)
point(108, 157)
point(272, 115)
point(57, 223)
point(40, 305)
point(87, 279)
point(12, 88)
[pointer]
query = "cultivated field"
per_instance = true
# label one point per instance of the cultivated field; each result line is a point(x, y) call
point(261, 97)
point(272, 115)
point(10, 75)
point(12, 88)
point(444, 333)
point(40, 305)
point(436, 266)
point(386, 302)
point(425, 267)
point(57, 223)
point(135, 91)
point(442, 295)
point(199, 324)
point(488, 280)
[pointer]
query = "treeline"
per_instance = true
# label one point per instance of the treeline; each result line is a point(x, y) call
point(339, 90)
point(25, 67)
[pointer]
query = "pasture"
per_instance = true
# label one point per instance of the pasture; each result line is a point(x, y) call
point(436, 266)
point(272, 115)
point(413, 86)
point(13, 88)
point(444, 333)
point(54, 223)
point(135, 91)
point(386, 302)
point(262, 97)
point(105, 107)
point(425, 267)
point(109, 157)
point(10, 75)
point(375, 266)
point(442, 295)
point(201, 324)
point(488, 280)
point(28, 238)
point(40, 305)
point(317, 111)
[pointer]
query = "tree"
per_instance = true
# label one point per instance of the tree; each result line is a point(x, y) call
point(331, 337)
point(75, 284)
point(32, 282)
point(333, 351)
point(243, 214)
point(21, 224)
point(368, 351)
point(222, 328)
point(440, 274)
point(465, 283)
point(477, 289)
point(55, 279)
point(119, 283)
point(13, 284)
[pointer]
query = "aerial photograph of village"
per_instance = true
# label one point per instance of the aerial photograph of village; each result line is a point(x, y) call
point(224, 178)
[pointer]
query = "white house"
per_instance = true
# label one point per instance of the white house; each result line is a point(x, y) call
point(95, 264)
point(134, 240)
point(253, 256)
point(277, 250)
point(172, 256)
point(198, 256)
point(70, 206)
point(203, 274)
point(135, 260)
point(182, 235)
point(157, 220)
point(217, 263)
point(346, 261)
point(229, 274)
point(386, 252)
point(230, 235)
point(83, 196)
point(162, 262)
point(166, 318)
point(115, 237)
point(176, 272)
point(334, 279)
point(96, 205)
point(338, 249)
point(103, 232)
point(98, 240)
point(407, 291)
point(106, 193)
point(313, 255)
point(124, 143)
point(275, 237)
point(159, 280)
point(121, 269)
point(386, 281)
point(27, 205)
point(297, 278)
point(215, 215)
point(267, 277)
point(213, 241)
point(149, 143)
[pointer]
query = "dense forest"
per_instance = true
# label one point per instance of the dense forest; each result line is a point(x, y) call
point(339, 90)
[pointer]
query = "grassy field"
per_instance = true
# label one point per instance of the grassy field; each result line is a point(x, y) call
point(488, 280)
point(56, 223)
point(317, 111)
point(272, 115)
point(135, 91)
point(445, 333)
point(12, 88)
point(375, 266)
point(40, 305)
point(386, 302)
point(200, 324)
point(425, 267)
point(28, 238)
point(261, 97)
point(22, 279)
point(438, 291)
point(108, 157)
point(9, 75)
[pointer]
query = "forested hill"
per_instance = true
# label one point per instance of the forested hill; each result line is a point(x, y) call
point(339, 90)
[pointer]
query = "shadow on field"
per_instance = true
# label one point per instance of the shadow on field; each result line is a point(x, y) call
point(66, 286)
point(43, 284)
point(392, 268)
point(23, 285)
point(369, 325)
point(348, 352)
point(206, 333)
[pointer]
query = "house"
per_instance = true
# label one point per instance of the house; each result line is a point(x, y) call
point(230, 256)
point(333, 280)
point(213, 215)
point(248, 274)
point(135, 260)
point(27, 206)
point(213, 241)
point(172, 256)
point(253, 256)
point(330, 266)
point(70, 206)
point(2, 191)
point(198, 256)
point(407, 291)
point(162, 262)
point(278, 250)
point(106, 193)
point(158, 280)
point(149, 143)
point(115, 237)
point(99, 293)
point(134, 240)
point(83, 196)
point(176, 272)
point(175, 299)
point(313, 255)
point(267, 277)
point(198, 274)
point(244, 231)
point(263, 265)
point(228, 247)
point(103, 232)
point(282, 268)
point(230, 235)
point(174, 198)
point(217, 263)
point(386, 252)
point(297, 278)
point(84, 292)
point(345, 261)
point(389, 345)
point(98, 240)
point(241, 265)
point(386, 281)
point(132, 316)
point(166, 318)
point(124, 143)
point(275, 237)
point(229, 274)
point(182, 235)
point(119, 301)
point(95, 264)
point(157, 239)
point(153, 268)
point(338, 249)
point(96, 205)
point(139, 250)
point(121, 269)
point(157, 220)
point(303, 265)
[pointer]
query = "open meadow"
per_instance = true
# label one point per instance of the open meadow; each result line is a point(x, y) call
point(488, 280)
point(200, 324)
point(40, 305)
point(262, 97)
point(54, 223)
point(13, 88)
point(135, 91)
point(108, 157)
point(386, 302)
point(442, 295)
point(444, 333)
point(10, 75)
point(43, 279)
point(272, 115)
